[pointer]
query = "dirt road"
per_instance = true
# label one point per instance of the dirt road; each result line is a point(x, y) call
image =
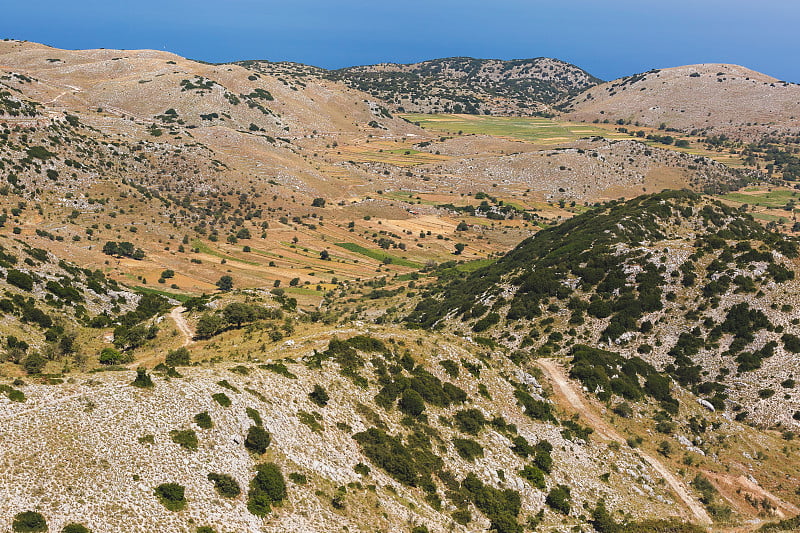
point(182, 325)
point(573, 396)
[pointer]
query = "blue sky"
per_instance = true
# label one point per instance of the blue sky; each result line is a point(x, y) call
point(609, 38)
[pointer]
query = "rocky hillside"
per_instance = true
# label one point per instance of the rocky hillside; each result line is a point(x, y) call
point(712, 98)
point(369, 432)
point(467, 85)
point(696, 289)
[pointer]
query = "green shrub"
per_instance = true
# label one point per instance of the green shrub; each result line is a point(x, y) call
point(20, 279)
point(112, 356)
point(559, 499)
point(411, 403)
point(75, 528)
point(298, 479)
point(254, 415)
point(205, 529)
point(534, 475)
point(268, 487)
point(29, 522)
point(186, 438)
point(222, 399)
point(171, 496)
point(501, 507)
point(34, 363)
point(468, 448)
point(319, 396)
point(257, 440)
point(142, 380)
point(451, 367)
point(179, 357)
point(470, 421)
point(225, 485)
point(203, 420)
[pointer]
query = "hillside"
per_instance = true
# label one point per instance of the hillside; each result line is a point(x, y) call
point(712, 98)
point(636, 278)
point(467, 85)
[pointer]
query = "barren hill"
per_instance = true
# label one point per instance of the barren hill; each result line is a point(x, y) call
point(713, 98)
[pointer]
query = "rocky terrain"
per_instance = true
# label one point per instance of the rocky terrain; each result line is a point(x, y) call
point(715, 99)
point(467, 85)
point(250, 297)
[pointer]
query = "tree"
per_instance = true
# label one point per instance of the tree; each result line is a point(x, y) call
point(257, 440)
point(225, 283)
point(237, 313)
point(318, 202)
point(171, 496)
point(319, 396)
point(179, 357)
point(325, 255)
point(34, 363)
point(266, 488)
point(226, 485)
point(142, 380)
point(460, 248)
point(411, 403)
point(29, 522)
point(209, 325)
point(110, 356)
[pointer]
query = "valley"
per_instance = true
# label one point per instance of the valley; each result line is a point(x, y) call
point(457, 295)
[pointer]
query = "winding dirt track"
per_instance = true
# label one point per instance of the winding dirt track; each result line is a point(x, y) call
point(182, 325)
point(574, 397)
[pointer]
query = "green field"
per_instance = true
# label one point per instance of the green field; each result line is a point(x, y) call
point(174, 295)
point(771, 199)
point(206, 249)
point(378, 255)
point(534, 129)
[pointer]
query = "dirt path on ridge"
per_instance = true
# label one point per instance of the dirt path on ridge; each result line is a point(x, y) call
point(574, 397)
point(183, 326)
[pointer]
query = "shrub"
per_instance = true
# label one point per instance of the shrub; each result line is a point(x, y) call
point(186, 438)
point(254, 415)
point(257, 440)
point(29, 522)
point(470, 421)
point(558, 499)
point(534, 475)
point(179, 357)
point(225, 485)
point(266, 488)
point(112, 356)
point(20, 279)
point(34, 363)
point(142, 380)
point(171, 496)
point(75, 528)
point(468, 449)
point(501, 507)
point(411, 403)
point(203, 420)
point(222, 399)
point(319, 396)
point(225, 283)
